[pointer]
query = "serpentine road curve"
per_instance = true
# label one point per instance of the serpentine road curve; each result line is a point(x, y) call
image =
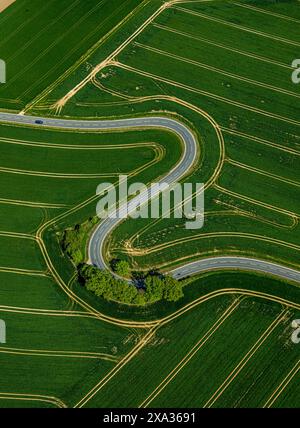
point(186, 162)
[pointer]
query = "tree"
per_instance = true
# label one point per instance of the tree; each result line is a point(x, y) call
point(86, 271)
point(71, 243)
point(172, 289)
point(139, 299)
point(73, 240)
point(123, 291)
point(103, 284)
point(154, 288)
point(122, 268)
point(77, 256)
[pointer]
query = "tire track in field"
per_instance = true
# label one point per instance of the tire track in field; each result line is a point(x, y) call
point(204, 93)
point(244, 361)
point(33, 397)
point(220, 45)
point(239, 27)
point(191, 353)
point(217, 70)
point(282, 386)
point(58, 353)
point(267, 12)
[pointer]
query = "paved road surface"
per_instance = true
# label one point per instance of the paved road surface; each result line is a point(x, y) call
point(190, 149)
point(242, 263)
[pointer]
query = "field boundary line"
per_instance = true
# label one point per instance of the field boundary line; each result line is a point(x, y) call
point(260, 140)
point(207, 235)
point(11, 13)
point(76, 146)
point(17, 235)
point(132, 353)
point(286, 381)
point(228, 291)
point(156, 148)
point(30, 272)
point(33, 397)
point(62, 175)
point(58, 353)
point(31, 204)
point(48, 312)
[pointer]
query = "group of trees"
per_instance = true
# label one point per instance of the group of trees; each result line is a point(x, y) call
point(156, 287)
point(121, 267)
point(151, 287)
point(104, 284)
point(73, 240)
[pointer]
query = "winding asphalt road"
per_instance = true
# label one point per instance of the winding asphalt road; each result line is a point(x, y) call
point(241, 263)
point(186, 162)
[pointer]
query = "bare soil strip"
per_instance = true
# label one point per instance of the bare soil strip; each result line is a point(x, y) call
point(5, 3)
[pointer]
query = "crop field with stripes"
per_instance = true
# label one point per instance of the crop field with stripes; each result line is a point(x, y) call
point(194, 360)
point(41, 34)
point(224, 69)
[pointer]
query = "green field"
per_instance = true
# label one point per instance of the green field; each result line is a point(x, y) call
point(41, 42)
point(194, 354)
point(223, 69)
point(252, 98)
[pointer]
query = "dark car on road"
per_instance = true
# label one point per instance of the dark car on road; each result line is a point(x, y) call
point(39, 121)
